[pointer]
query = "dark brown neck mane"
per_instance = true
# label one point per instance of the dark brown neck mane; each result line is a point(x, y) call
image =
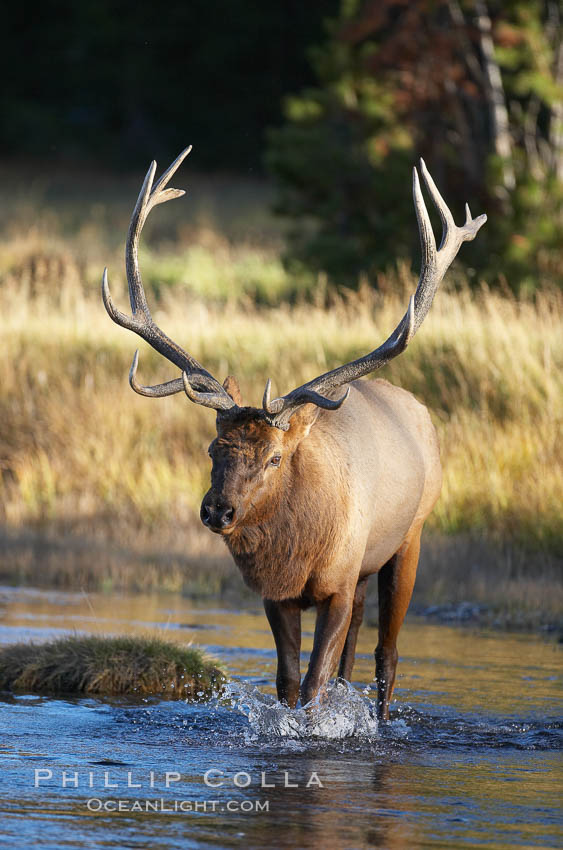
point(277, 555)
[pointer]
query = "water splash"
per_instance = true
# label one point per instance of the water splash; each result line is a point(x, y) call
point(338, 711)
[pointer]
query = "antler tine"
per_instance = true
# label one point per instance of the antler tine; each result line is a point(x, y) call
point(448, 224)
point(141, 322)
point(217, 400)
point(267, 404)
point(435, 263)
point(425, 232)
point(118, 317)
point(148, 198)
point(169, 173)
point(302, 396)
point(169, 387)
point(159, 391)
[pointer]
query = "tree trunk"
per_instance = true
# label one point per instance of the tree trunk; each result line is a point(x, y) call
point(556, 120)
point(497, 105)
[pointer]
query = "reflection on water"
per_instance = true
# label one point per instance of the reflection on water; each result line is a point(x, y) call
point(471, 757)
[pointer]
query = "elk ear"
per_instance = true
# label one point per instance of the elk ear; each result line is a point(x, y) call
point(231, 385)
point(303, 419)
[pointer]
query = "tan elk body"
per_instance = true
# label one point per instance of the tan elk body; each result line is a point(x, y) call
point(316, 491)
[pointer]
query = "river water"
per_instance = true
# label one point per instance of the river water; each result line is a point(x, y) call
point(471, 757)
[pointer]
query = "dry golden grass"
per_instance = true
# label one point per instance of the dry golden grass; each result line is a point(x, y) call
point(76, 442)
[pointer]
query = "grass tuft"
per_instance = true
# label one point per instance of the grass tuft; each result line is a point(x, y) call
point(110, 666)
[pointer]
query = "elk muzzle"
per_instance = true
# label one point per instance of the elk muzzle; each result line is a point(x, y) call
point(217, 514)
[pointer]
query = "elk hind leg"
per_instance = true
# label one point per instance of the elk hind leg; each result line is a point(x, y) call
point(395, 585)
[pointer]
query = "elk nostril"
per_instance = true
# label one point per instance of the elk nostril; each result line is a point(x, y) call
point(228, 515)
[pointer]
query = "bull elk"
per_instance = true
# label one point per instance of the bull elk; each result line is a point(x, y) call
point(318, 489)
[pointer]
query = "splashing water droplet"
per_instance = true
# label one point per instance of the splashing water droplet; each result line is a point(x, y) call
point(338, 711)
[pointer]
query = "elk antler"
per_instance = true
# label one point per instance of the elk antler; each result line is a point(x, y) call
point(199, 385)
point(435, 263)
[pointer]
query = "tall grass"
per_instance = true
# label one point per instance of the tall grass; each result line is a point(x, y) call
point(80, 451)
point(76, 441)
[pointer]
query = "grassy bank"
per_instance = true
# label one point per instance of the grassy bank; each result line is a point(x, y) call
point(96, 480)
point(506, 585)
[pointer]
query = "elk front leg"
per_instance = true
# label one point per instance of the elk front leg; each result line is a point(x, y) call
point(285, 622)
point(333, 620)
point(349, 651)
point(395, 584)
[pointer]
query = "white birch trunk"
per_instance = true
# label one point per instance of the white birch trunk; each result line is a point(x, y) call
point(497, 104)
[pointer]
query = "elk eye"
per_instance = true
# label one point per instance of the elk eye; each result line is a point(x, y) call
point(275, 460)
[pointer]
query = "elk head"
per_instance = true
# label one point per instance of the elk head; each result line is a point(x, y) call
point(254, 447)
point(251, 461)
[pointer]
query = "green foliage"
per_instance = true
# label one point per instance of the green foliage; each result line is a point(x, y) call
point(345, 194)
point(395, 82)
point(524, 246)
